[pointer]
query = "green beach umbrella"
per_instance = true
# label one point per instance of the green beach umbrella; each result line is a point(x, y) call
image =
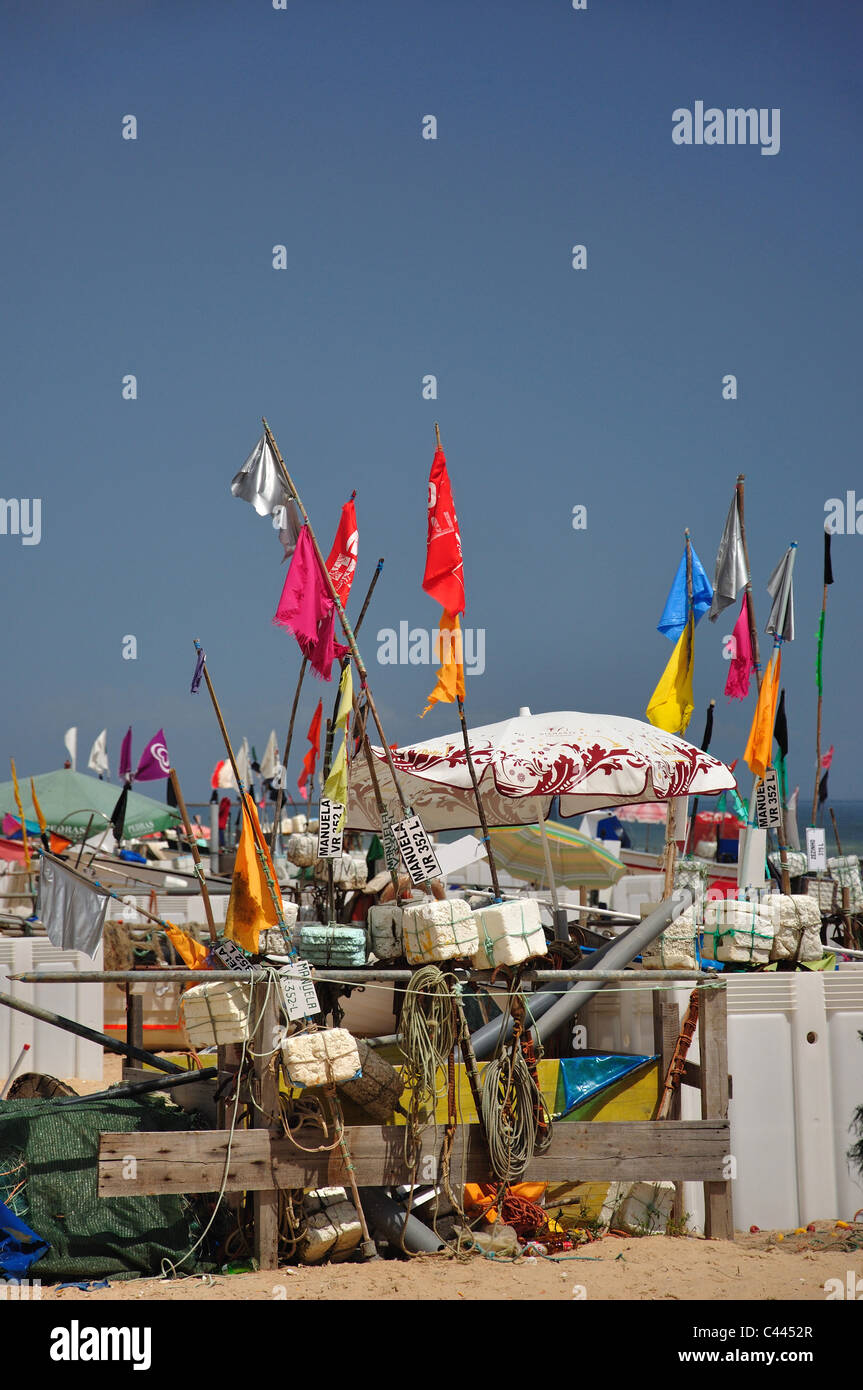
point(68, 800)
point(575, 860)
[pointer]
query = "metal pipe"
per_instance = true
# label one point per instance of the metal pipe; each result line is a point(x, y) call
point(617, 952)
point(389, 1221)
point(69, 1025)
point(351, 977)
point(140, 1088)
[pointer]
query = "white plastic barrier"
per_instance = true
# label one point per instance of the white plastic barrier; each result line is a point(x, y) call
point(51, 1050)
point(796, 1062)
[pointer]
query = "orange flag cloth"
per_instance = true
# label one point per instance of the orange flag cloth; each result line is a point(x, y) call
point(450, 677)
point(760, 743)
point(190, 951)
point(251, 905)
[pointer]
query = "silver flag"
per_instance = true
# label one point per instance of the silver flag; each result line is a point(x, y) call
point(260, 481)
point(730, 574)
point(781, 589)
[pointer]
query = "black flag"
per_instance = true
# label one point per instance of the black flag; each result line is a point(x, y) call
point(118, 815)
point(708, 727)
point(170, 794)
point(828, 565)
point(822, 789)
point(780, 727)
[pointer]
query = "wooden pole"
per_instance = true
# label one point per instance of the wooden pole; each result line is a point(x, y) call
point(199, 873)
point(376, 788)
point(254, 829)
point(820, 683)
point(346, 627)
point(713, 1050)
point(287, 753)
point(265, 1083)
point(670, 842)
point(328, 757)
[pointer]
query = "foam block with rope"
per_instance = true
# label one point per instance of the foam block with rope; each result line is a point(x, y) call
point(508, 933)
point(216, 1013)
point(321, 1058)
point(331, 945)
point(737, 932)
point(796, 922)
point(439, 930)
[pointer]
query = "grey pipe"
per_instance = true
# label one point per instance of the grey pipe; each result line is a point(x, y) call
point(389, 1221)
point(70, 1025)
point(549, 1010)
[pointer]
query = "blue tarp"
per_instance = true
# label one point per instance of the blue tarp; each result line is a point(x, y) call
point(19, 1246)
point(585, 1076)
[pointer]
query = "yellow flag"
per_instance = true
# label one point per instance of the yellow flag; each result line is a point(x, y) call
point(37, 808)
point(21, 816)
point(760, 742)
point(671, 703)
point(346, 698)
point(336, 786)
point(188, 949)
point(450, 677)
point(251, 906)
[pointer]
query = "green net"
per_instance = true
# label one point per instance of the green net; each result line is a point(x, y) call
point(49, 1174)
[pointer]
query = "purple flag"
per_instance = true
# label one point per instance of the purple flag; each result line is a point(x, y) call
point(199, 672)
point(126, 756)
point(155, 762)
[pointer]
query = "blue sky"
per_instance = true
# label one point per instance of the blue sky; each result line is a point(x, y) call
point(556, 387)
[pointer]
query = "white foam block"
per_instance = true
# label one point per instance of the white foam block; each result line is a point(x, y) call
point(436, 930)
point(385, 930)
point(737, 931)
point(321, 1058)
point(508, 933)
point(216, 1012)
point(674, 949)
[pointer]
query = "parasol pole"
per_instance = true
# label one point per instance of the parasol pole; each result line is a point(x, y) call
point(199, 873)
point(705, 744)
point(257, 836)
point(828, 570)
point(346, 627)
point(546, 854)
point(670, 842)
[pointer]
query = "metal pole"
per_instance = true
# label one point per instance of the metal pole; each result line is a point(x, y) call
point(181, 806)
point(69, 1025)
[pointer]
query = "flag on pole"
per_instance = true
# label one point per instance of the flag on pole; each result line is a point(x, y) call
point(780, 587)
point(450, 677)
point(674, 614)
point(70, 738)
point(444, 572)
point(24, 843)
point(671, 703)
point(742, 666)
point(270, 761)
point(780, 733)
point(72, 912)
point(223, 777)
point(154, 762)
point(827, 758)
point(98, 759)
point(260, 480)
point(822, 789)
point(125, 768)
point(336, 787)
point(310, 761)
point(251, 906)
point(118, 815)
point(244, 763)
point(342, 559)
point(190, 951)
point(760, 741)
point(307, 610)
point(730, 574)
point(199, 672)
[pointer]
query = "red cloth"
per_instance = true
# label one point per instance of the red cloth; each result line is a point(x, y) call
point(310, 761)
point(742, 666)
point(342, 559)
point(444, 574)
point(306, 609)
point(224, 812)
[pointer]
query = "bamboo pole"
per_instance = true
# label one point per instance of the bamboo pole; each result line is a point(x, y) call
point(199, 873)
point(346, 627)
point(820, 682)
point(753, 640)
point(670, 842)
point(254, 829)
point(328, 757)
point(287, 753)
point(376, 788)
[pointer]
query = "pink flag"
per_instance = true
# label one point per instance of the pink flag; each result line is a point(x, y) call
point(155, 762)
point(307, 610)
point(125, 756)
point(742, 665)
point(827, 758)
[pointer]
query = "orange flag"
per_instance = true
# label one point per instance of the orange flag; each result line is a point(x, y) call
point(760, 743)
point(190, 951)
point(450, 677)
point(251, 905)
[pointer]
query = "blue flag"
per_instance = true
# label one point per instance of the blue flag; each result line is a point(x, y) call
point(674, 614)
point(19, 1246)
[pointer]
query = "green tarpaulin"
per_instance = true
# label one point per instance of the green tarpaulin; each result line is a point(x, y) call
point(68, 799)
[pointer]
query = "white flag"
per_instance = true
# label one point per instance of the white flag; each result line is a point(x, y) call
point(72, 912)
point(244, 764)
point(98, 760)
point(70, 738)
point(270, 760)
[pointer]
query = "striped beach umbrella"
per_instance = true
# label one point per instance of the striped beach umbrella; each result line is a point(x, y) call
point(576, 861)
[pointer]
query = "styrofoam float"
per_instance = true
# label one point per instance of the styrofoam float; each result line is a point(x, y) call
point(508, 933)
point(216, 1012)
point(439, 930)
point(321, 1058)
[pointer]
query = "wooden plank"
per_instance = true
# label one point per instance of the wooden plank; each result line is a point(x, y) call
point(713, 1048)
point(693, 1150)
point(666, 1031)
point(266, 1117)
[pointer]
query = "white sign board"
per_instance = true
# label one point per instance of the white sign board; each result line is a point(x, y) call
point(461, 854)
point(231, 956)
point(816, 848)
point(331, 829)
point(768, 808)
point(301, 1000)
point(416, 850)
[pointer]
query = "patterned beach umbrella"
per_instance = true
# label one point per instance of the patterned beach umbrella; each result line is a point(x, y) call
point(576, 861)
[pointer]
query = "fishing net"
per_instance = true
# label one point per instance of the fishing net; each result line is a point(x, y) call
point(49, 1172)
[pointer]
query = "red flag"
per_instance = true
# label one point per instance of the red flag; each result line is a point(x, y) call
point(306, 609)
point(827, 758)
point(444, 576)
point(342, 560)
point(310, 761)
